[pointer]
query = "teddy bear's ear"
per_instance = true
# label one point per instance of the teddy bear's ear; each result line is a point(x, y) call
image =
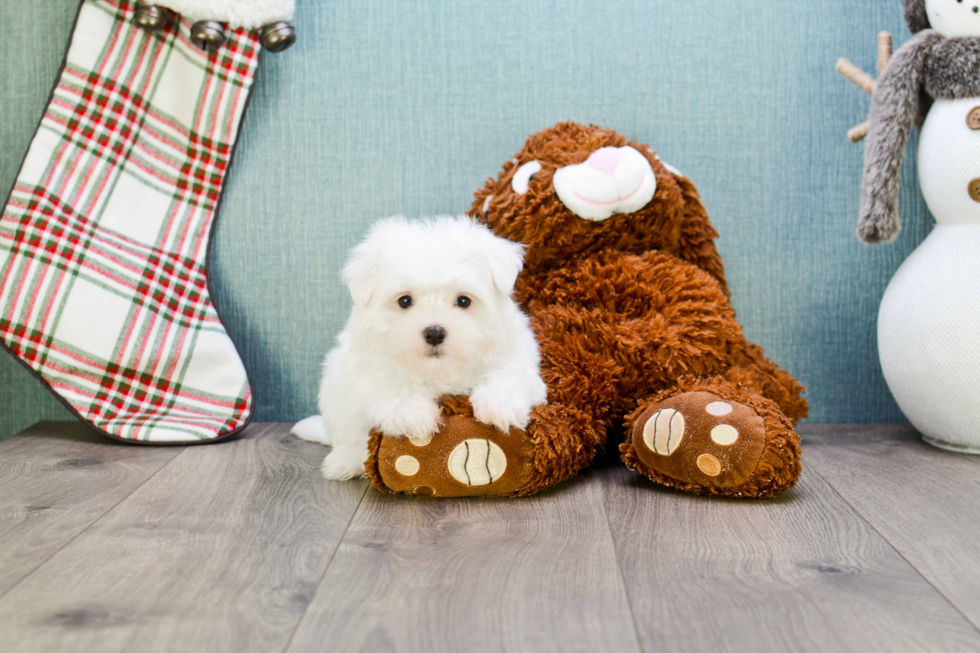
point(365, 265)
point(505, 260)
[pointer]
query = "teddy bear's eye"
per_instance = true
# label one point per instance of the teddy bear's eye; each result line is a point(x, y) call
point(523, 176)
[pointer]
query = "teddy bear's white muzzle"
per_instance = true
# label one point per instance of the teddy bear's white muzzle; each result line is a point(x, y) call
point(612, 180)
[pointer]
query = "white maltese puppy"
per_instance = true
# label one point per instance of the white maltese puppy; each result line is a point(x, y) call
point(433, 315)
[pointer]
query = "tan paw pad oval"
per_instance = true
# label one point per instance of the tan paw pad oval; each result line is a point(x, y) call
point(477, 462)
point(718, 408)
point(407, 465)
point(664, 431)
point(724, 434)
point(422, 441)
point(709, 465)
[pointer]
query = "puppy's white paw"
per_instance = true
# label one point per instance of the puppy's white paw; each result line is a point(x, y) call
point(418, 418)
point(501, 407)
point(344, 464)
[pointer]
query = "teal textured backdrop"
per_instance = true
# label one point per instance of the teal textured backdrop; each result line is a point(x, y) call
point(386, 106)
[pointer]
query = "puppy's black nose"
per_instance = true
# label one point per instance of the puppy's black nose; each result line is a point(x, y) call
point(434, 335)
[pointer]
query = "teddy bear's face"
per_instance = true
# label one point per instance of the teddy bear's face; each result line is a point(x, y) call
point(954, 18)
point(612, 181)
point(575, 189)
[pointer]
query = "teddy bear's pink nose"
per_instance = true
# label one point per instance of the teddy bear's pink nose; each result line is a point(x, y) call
point(613, 180)
point(605, 159)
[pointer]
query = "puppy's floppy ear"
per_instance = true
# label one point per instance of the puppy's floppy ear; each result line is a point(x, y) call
point(505, 260)
point(365, 265)
point(361, 272)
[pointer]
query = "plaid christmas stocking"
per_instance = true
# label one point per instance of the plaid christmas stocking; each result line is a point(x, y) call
point(104, 239)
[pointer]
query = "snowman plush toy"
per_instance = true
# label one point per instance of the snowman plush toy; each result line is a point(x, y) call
point(929, 322)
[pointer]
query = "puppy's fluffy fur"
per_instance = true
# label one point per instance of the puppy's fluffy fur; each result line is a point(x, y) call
point(383, 373)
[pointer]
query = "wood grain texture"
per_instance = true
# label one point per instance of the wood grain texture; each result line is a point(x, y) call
point(220, 551)
point(923, 500)
point(799, 573)
point(534, 574)
point(241, 546)
point(56, 480)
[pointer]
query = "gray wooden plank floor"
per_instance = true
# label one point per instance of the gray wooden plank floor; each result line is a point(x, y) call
point(219, 551)
point(242, 546)
point(415, 574)
point(55, 481)
point(802, 572)
point(924, 501)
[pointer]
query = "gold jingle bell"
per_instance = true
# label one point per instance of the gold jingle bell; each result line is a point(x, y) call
point(152, 17)
point(276, 37)
point(207, 35)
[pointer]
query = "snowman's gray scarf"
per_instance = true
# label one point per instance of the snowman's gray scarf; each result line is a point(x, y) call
point(927, 67)
point(915, 15)
point(953, 69)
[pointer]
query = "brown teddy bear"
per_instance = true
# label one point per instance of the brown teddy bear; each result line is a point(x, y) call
point(627, 296)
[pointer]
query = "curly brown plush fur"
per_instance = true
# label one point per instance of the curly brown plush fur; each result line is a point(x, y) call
point(627, 308)
point(674, 221)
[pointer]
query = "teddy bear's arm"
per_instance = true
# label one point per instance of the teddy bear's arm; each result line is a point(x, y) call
point(894, 107)
point(698, 243)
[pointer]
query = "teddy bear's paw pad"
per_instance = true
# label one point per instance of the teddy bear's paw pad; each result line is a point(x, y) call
point(700, 438)
point(477, 462)
point(466, 458)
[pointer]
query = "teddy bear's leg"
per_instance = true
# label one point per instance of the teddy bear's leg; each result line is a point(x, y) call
point(464, 458)
point(757, 372)
point(468, 458)
point(713, 436)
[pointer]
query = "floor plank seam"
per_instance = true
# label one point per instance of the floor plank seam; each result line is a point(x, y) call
point(333, 554)
point(619, 567)
point(885, 539)
point(94, 522)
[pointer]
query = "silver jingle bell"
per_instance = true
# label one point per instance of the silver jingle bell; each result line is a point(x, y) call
point(207, 35)
point(276, 37)
point(152, 17)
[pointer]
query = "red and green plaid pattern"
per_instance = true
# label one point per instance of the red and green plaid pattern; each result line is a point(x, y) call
point(104, 240)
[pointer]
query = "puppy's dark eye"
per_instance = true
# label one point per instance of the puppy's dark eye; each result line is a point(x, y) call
point(463, 301)
point(405, 301)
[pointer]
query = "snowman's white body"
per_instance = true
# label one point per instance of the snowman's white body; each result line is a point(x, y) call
point(929, 322)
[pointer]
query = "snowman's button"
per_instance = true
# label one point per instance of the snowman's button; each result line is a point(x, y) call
point(973, 119)
point(975, 190)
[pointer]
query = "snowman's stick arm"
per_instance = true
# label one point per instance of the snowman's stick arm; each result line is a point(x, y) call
point(857, 134)
point(865, 81)
point(856, 76)
point(885, 50)
point(894, 107)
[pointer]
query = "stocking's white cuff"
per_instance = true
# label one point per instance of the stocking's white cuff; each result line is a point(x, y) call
point(236, 13)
